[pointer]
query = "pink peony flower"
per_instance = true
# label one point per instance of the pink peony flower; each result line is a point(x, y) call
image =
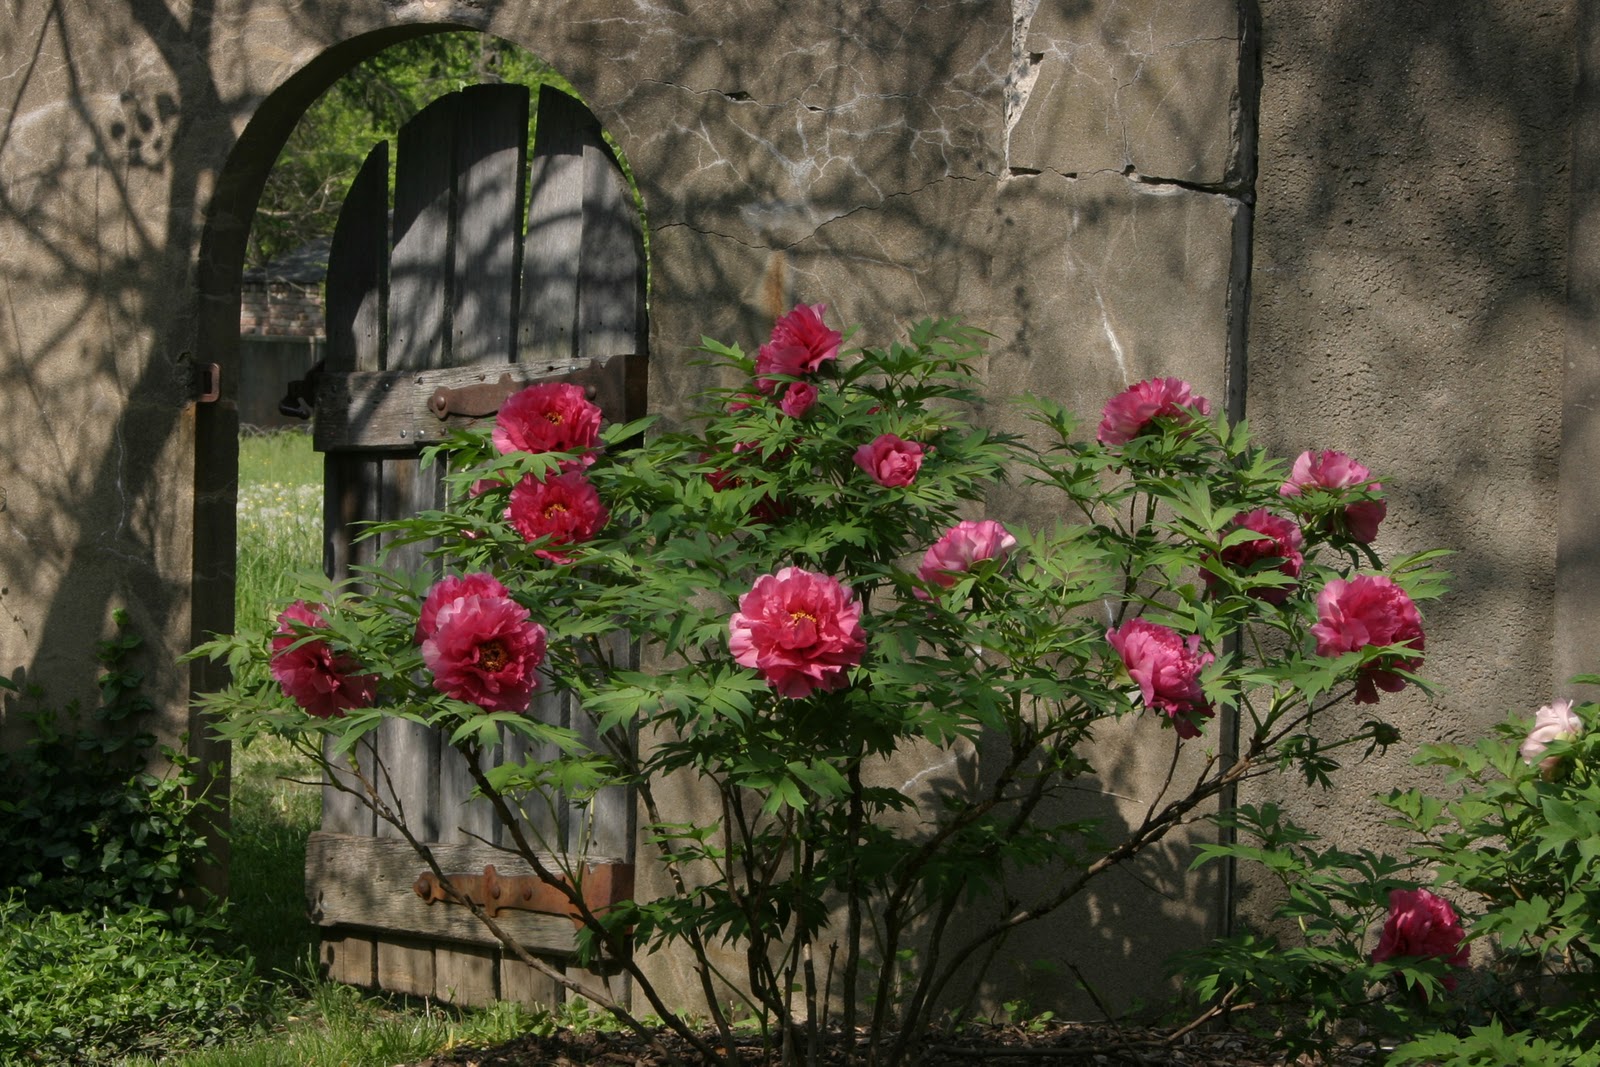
point(1553, 722)
point(800, 345)
point(1281, 540)
point(1422, 924)
point(799, 629)
point(1333, 471)
point(797, 399)
point(549, 417)
point(1369, 610)
point(890, 461)
point(1130, 412)
point(962, 545)
point(486, 650)
point(322, 683)
point(565, 508)
point(1167, 668)
point(447, 590)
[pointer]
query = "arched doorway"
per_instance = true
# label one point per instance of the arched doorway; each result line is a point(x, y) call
point(377, 324)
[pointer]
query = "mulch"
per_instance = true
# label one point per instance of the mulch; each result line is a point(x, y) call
point(1047, 1045)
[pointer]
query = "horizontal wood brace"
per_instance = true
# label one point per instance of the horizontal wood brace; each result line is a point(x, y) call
point(370, 883)
point(393, 410)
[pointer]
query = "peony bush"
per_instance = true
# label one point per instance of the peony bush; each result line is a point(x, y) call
point(814, 589)
point(1502, 871)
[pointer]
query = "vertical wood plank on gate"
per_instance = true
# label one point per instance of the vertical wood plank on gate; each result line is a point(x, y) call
point(524, 985)
point(491, 135)
point(419, 266)
point(354, 303)
point(467, 975)
point(491, 139)
point(420, 275)
point(547, 318)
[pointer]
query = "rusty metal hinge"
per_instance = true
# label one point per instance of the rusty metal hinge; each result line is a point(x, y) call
point(603, 885)
point(208, 382)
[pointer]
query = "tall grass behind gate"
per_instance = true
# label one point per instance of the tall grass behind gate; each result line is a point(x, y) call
point(280, 521)
point(280, 535)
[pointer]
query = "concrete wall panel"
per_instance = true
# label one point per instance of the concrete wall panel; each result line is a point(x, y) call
point(1407, 308)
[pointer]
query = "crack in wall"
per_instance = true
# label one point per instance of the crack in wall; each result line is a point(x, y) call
point(1024, 69)
point(786, 246)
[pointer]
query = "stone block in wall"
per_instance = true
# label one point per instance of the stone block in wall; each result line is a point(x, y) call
point(1152, 87)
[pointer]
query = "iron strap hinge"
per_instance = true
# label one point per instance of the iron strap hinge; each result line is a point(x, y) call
point(602, 885)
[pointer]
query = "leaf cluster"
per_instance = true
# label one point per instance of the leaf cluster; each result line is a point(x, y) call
point(83, 823)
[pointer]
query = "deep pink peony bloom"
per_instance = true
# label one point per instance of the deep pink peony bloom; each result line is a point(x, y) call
point(1365, 611)
point(800, 345)
point(448, 589)
point(564, 507)
point(1422, 924)
point(799, 629)
point(1167, 668)
point(1281, 541)
point(549, 417)
point(960, 547)
point(486, 650)
point(797, 399)
point(1130, 412)
point(1333, 471)
point(312, 676)
point(1553, 722)
point(890, 461)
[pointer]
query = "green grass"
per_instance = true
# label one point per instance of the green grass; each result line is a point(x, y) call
point(337, 1026)
point(280, 520)
point(280, 533)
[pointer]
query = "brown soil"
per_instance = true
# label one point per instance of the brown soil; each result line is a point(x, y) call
point(1051, 1045)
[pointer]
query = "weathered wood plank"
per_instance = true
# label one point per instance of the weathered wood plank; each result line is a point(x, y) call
point(462, 819)
point(406, 965)
point(491, 143)
point(367, 883)
point(396, 409)
point(522, 984)
point(467, 977)
point(419, 266)
point(358, 264)
point(543, 818)
point(452, 300)
point(548, 314)
point(615, 985)
point(347, 958)
point(358, 261)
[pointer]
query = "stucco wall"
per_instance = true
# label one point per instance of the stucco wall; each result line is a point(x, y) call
point(1407, 307)
point(1077, 178)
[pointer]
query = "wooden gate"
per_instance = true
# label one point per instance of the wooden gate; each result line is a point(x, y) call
point(464, 294)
